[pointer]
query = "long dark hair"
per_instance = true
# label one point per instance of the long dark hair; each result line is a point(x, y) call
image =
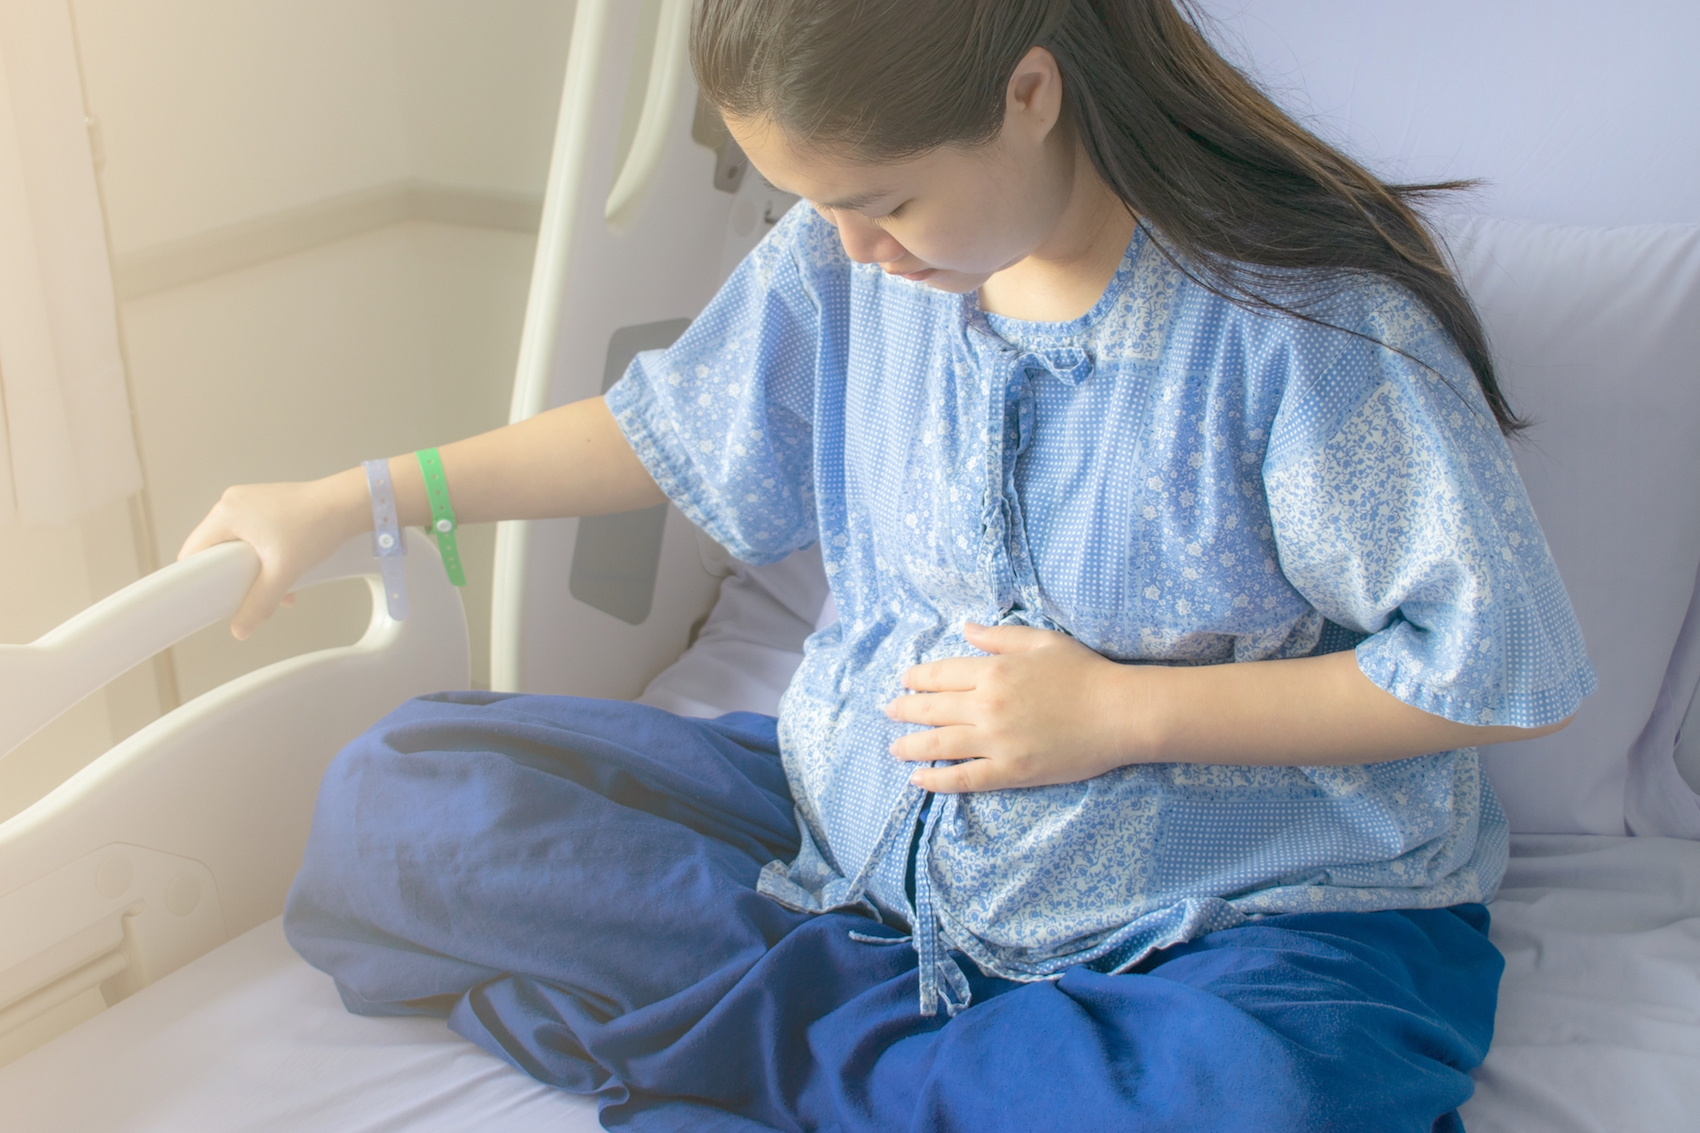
point(1230, 187)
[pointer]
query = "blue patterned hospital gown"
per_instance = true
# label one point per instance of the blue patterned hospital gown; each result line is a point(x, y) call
point(1169, 478)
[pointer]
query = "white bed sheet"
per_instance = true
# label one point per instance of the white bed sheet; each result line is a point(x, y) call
point(1599, 1029)
point(1599, 1013)
point(250, 1039)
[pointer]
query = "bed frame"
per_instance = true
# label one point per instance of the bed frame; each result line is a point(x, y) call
point(188, 833)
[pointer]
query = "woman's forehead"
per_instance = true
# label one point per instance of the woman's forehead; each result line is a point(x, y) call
point(828, 177)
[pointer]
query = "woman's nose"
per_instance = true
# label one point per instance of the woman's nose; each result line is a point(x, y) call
point(864, 241)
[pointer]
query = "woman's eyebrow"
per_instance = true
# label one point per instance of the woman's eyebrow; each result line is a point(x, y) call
point(856, 201)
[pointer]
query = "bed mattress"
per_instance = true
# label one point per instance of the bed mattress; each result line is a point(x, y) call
point(250, 1038)
point(1599, 1029)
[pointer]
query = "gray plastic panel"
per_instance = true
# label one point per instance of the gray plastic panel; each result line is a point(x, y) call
point(615, 557)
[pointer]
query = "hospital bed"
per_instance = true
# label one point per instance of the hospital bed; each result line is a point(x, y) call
point(144, 980)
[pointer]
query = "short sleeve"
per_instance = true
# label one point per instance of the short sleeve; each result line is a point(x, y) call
point(1398, 512)
point(722, 419)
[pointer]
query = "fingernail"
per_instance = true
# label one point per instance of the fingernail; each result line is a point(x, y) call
point(915, 779)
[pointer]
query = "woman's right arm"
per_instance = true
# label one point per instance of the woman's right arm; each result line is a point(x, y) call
point(568, 461)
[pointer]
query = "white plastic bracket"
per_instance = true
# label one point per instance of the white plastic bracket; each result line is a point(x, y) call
point(118, 919)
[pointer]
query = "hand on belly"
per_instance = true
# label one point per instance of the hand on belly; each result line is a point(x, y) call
point(1042, 709)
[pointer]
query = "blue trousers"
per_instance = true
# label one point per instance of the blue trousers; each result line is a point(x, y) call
point(571, 883)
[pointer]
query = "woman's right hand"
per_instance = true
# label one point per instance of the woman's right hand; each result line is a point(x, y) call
point(570, 460)
point(292, 527)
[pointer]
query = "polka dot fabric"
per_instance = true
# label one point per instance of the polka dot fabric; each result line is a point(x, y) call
point(1170, 479)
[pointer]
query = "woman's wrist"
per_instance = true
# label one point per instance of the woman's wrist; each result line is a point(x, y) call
point(345, 503)
point(1139, 698)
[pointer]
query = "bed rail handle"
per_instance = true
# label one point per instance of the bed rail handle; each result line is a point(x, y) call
point(51, 674)
point(660, 102)
point(41, 680)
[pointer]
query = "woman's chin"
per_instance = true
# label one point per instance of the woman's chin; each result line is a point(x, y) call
point(955, 282)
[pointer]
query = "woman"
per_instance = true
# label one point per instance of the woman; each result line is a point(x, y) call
point(1156, 460)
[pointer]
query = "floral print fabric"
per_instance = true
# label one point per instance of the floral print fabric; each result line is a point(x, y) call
point(1170, 478)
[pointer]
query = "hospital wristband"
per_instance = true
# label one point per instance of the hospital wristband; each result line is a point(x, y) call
point(387, 543)
point(442, 513)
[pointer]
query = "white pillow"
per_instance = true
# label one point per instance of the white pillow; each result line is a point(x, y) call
point(751, 643)
point(1664, 763)
point(1596, 333)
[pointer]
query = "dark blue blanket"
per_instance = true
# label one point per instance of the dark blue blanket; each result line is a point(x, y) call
point(571, 884)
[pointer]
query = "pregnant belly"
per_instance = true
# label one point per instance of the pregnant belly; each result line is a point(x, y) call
point(1049, 870)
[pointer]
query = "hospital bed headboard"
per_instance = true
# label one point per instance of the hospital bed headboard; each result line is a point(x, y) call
point(632, 246)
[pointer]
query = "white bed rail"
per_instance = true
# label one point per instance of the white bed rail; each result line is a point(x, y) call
point(628, 242)
point(47, 677)
point(190, 831)
point(660, 99)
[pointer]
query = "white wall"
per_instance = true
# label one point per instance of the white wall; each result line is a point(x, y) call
point(217, 111)
point(1537, 97)
point(481, 82)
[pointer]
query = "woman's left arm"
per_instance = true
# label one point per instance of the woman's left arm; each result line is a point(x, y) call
point(1043, 708)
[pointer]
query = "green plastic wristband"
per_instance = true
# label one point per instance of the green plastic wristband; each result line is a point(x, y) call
point(443, 523)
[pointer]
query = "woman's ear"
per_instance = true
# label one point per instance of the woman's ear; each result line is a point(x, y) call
point(1033, 99)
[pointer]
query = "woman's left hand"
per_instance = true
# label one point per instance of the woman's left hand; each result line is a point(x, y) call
point(1043, 708)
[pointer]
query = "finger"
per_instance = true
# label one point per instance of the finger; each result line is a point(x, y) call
point(1007, 638)
point(261, 600)
point(953, 674)
point(932, 708)
point(953, 741)
point(206, 534)
point(961, 778)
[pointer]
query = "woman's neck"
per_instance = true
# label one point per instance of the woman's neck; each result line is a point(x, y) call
point(1065, 276)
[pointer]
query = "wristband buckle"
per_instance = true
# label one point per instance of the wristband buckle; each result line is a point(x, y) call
point(387, 543)
point(443, 524)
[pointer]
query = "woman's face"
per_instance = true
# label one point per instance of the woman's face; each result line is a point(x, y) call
point(951, 217)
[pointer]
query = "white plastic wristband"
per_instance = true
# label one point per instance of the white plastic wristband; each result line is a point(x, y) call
point(387, 543)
